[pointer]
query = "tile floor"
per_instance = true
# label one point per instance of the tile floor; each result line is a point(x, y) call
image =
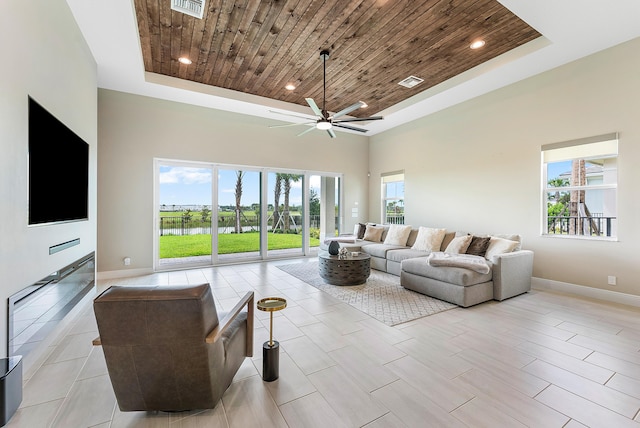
point(538, 360)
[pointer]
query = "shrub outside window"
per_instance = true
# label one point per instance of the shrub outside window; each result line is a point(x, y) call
point(580, 182)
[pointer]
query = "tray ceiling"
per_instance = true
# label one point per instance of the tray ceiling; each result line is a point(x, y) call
point(258, 47)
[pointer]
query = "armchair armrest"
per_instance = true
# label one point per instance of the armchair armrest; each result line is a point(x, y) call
point(222, 326)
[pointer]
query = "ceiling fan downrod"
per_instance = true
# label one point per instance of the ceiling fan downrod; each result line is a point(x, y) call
point(325, 56)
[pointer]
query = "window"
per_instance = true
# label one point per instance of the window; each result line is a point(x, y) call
point(393, 197)
point(579, 185)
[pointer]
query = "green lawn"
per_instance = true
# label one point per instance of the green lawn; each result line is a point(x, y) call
point(228, 243)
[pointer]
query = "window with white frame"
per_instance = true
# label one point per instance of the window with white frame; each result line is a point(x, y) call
point(579, 182)
point(393, 197)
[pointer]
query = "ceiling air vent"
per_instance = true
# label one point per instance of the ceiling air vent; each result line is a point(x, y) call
point(190, 7)
point(410, 81)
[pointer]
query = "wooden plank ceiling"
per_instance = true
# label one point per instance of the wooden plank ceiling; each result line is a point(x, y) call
point(258, 47)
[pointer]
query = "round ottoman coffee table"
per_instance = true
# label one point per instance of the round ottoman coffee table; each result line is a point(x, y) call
point(353, 270)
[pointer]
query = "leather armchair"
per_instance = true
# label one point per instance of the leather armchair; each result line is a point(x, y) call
point(165, 347)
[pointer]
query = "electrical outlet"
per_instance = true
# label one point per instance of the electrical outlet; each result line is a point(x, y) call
point(126, 261)
point(611, 280)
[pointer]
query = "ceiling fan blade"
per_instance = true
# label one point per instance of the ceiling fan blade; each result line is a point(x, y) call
point(314, 106)
point(291, 124)
point(353, 128)
point(305, 131)
point(349, 109)
point(331, 133)
point(292, 115)
point(359, 119)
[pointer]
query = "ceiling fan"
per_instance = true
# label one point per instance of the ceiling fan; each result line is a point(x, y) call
point(325, 121)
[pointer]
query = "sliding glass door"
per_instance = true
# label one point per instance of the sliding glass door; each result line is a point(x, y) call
point(183, 216)
point(285, 214)
point(239, 214)
point(324, 209)
point(259, 213)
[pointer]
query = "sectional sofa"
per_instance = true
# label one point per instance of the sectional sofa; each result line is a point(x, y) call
point(450, 266)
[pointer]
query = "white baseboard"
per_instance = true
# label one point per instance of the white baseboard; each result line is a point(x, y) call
point(126, 273)
point(584, 291)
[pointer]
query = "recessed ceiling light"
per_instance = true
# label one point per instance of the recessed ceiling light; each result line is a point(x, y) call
point(290, 86)
point(477, 44)
point(184, 60)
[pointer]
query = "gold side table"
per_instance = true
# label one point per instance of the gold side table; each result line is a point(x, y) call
point(271, 349)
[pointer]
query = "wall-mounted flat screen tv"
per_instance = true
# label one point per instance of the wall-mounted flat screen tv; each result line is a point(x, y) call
point(58, 170)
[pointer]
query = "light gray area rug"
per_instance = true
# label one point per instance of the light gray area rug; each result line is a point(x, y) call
point(381, 296)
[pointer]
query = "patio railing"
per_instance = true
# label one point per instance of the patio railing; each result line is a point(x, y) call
point(394, 219)
point(591, 226)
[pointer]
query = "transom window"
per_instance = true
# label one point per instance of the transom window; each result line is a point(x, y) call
point(393, 197)
point(580, 180)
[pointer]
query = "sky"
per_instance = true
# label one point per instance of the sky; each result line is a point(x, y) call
point(192, 186)
point(554, 169)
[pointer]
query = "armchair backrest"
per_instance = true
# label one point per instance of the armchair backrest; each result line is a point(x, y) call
point(155, 315)
point(154, 344)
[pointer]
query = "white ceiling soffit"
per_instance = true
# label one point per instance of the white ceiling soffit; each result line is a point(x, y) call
point(572, 29)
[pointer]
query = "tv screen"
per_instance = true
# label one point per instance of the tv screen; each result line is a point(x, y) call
point(58, 170)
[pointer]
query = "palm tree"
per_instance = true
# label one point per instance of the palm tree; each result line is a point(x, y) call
point(557, 182)
point(276, 201)
point(238, 225)
point(577, 204)
point(287, 180)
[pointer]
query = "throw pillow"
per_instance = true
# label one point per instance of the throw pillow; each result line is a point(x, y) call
point(510, 237)
point(478, 246)
point(500, 246)
point(458, 245)
point(429, 239)
point(362, 228)
point(373, 233)
point(397, 234)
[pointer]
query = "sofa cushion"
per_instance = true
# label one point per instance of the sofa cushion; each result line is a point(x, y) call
point(397, 234)
point(405, 253)
point(500, 246)
point(429, 239)
point(412, 237)
point(373, 233)
point(478, 245)
point(448, 237)
point(380, 250)
point(458, 245)
point(451, 275)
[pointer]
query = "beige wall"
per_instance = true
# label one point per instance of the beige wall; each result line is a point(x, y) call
point(476, 166)
point(45, 57)
point(133, 130)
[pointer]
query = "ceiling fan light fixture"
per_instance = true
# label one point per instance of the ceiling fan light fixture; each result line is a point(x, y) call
point(323, 125)
point(364, 105)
